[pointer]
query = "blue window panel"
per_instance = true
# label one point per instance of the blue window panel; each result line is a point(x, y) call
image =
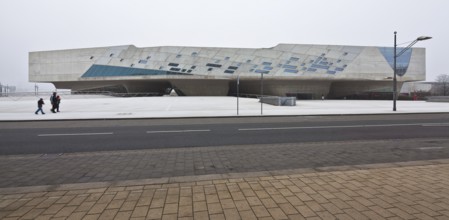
point(339, 69)
point(289, 66)
point(261, 71)
point(316, 66)
point(105, 71)
point(324, 63)
point(303, 64)
point(268, 68)
point(304, 68)
point(311, 69)
point(266, 63)
point(290, 71)
point(294, 58)
point(403, 61)
point(331, 72)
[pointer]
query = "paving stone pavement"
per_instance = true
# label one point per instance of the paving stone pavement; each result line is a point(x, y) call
point(32, 170)
point(384, 191)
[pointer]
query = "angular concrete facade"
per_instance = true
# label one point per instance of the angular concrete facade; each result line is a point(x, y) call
point(304, 70)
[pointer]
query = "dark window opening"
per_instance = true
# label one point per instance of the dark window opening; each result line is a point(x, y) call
point(183, 70)
point(193, 67)
point(189, 71)
point(110, 55)
point(121, 60)
point(227, 58)
point(213, 65)
point(210, 69)
point(232, 67)
point(229, 71)
point(178, 56)
point(266, 63)
point(173, 64)
point(91, 57)
point(175, 69)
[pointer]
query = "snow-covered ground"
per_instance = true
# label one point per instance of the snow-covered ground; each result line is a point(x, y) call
point(107, 107)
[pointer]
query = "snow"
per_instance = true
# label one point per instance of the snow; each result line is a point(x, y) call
point(107, 107)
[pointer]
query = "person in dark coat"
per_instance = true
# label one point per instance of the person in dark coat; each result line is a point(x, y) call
point(58, 101)
point(40, 103)
point(53, 101)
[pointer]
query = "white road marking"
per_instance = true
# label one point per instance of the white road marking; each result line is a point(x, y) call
point(176, 131)
point(337, 126)
point(74, 134)
point(430, 148)
point(436, 125)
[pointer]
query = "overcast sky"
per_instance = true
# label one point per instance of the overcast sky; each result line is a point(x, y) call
point(39, 25)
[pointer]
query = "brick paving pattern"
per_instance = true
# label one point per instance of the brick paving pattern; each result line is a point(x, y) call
point(409, 192)
point(29, 170)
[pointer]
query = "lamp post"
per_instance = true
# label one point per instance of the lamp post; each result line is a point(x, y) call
point(261, 93)
point(396, 55)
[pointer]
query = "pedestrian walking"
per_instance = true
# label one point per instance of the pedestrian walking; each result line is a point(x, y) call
point(53, 101)
point(58, 101)
point(40, 103)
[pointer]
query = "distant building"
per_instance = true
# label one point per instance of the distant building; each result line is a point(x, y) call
point(288, 69)
point(416, 87)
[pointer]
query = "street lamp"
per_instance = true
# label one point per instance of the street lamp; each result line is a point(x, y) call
point(396, 55)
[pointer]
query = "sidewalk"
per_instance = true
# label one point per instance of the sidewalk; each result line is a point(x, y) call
point(106, 107)
point(409, 190)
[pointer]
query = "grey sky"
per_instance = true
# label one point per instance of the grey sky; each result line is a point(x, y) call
point(39, 25)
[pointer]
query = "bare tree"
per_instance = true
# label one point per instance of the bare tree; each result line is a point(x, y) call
point(442, 85)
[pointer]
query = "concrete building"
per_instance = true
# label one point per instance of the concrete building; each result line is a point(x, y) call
point(307, 71)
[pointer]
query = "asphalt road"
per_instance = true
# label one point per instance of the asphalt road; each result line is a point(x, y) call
point(55, 137)
point(61, 152)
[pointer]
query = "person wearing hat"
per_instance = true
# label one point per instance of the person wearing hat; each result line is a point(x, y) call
point(40, 103)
